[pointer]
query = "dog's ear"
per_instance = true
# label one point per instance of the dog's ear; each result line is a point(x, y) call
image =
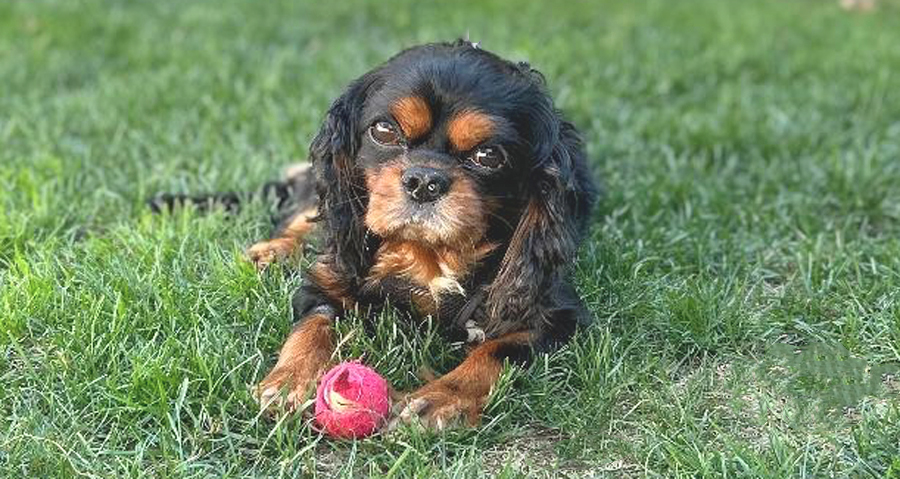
point(546, 239)
point(339, 181)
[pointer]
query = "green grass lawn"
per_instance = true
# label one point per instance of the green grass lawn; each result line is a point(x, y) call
point(751, 156)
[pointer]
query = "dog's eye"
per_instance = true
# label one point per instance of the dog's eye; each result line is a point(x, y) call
point(384, 134)
point(491, 157)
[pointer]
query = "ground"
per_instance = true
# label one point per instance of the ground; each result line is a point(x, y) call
point(750, 153)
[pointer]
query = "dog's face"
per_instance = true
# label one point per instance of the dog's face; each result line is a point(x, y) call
point(432, 177)
point(449, 146)
point(444, 146)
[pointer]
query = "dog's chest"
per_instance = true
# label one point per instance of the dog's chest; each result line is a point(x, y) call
point(421, 275)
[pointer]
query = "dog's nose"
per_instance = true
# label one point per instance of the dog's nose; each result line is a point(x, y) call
point(424, 184)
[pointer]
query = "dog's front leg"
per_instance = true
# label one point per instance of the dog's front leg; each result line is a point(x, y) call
point(461, 394)
point(303, 359)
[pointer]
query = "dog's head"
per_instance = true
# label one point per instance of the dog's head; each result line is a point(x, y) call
point(453, 147)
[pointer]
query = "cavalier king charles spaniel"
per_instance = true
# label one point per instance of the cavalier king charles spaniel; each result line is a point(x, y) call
point(446, 183)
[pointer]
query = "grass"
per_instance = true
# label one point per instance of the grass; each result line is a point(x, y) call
point(751, 155)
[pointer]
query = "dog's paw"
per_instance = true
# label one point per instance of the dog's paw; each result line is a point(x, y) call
point(437, 406)
point(286, 389)
point(264, 253)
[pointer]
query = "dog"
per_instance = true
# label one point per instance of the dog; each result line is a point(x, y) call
point(444, 182)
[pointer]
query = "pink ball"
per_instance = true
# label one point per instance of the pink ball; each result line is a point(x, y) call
point(352, 401)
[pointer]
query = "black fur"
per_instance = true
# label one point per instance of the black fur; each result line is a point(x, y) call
point(546, 195)
point(292, 194)
point(339, 183)
point(527, 279)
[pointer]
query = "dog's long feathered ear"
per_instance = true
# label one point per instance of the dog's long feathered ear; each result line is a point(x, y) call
point(545, 241)
point(339, 181)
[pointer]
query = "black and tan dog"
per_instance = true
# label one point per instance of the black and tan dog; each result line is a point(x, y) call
point(447, 183)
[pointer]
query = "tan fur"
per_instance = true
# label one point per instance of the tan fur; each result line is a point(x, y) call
point(435, 256)
point(461, 217)
point(434, 270)
point(469, 128)
point(286, 242)
point(302, 360)
point(413, 115)
point(461, 393)
point(325, 278)
point(386, 197)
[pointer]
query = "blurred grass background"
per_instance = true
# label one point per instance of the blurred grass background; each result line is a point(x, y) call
point(751, 156)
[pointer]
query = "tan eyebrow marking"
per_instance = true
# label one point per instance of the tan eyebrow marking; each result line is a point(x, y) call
point(469, 128)
point(413, 115)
